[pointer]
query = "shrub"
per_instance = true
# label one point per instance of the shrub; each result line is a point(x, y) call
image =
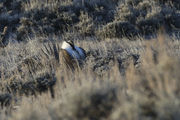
point(85, 26)
point(87, 104)
point(117, 29)
point(147, 16)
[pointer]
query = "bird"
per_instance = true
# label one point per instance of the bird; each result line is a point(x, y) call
point(3, 37)
point(71, 55)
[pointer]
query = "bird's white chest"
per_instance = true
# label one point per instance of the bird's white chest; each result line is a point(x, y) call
point(76, 53)
point(69, 49)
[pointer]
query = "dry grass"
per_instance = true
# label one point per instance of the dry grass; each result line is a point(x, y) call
point(127, 74)
point(113, 84)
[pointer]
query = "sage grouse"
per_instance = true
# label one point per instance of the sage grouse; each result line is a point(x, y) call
point(3, 37)
point(71, 56)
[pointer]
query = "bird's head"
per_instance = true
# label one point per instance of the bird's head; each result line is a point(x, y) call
point(71, 43)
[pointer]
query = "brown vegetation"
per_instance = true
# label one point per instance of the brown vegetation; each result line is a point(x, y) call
point(130, 72)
